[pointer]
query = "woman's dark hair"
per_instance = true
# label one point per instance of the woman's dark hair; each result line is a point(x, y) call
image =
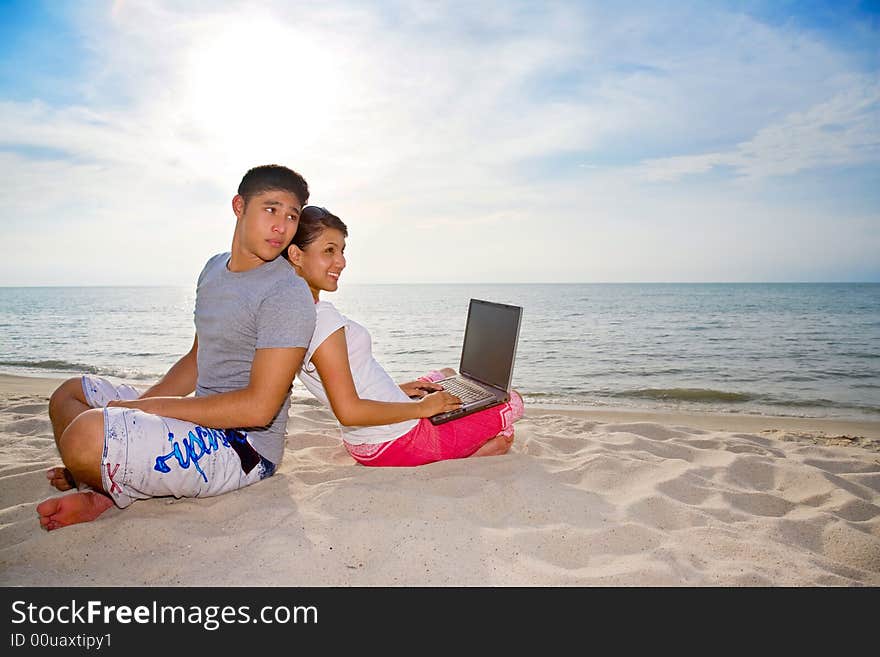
point(313, 220)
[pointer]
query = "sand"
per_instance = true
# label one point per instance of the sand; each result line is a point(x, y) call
point(585, 498)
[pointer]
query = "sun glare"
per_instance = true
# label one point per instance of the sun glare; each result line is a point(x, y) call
point(251, 81)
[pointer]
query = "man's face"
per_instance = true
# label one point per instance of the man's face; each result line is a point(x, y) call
point(266, 224)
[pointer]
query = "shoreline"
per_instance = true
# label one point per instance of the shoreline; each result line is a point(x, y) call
point(708, 420)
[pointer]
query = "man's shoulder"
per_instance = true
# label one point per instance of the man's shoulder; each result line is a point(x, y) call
point(218, 258)
point(281, 269)
point(212, 265)
point(280, 274)
point(214, 262)
point(282, 286)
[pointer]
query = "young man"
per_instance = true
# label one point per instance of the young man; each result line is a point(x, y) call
point(254, 318)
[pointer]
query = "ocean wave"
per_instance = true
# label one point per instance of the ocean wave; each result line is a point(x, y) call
point(798, 378)
point(539, 395)
point(824, 404)
point(64, 366)
point(57, 365)
point(706, 395)
point(831, 373)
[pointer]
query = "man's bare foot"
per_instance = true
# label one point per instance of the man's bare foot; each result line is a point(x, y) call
point(60, 478)
point(496, 446)
point(70, 509)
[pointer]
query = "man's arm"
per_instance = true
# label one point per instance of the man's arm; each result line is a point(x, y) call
point(256, 405)
point(181, 379)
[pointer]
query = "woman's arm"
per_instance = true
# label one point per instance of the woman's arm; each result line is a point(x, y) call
point(331, 360)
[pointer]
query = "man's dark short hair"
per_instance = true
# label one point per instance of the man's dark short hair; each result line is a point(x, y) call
point(273, 177)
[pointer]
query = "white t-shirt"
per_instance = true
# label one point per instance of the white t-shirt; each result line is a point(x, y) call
point(370, 380)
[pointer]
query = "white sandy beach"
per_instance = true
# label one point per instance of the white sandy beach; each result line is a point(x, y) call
point(585, 498)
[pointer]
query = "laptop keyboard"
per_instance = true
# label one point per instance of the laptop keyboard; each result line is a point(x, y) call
point(466, 392)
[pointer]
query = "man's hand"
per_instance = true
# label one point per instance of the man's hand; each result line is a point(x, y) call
point(146, 404)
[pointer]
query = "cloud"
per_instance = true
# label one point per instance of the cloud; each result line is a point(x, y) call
point(842, 131)
point(432, 128)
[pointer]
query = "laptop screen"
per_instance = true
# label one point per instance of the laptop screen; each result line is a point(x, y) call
point(490, 338)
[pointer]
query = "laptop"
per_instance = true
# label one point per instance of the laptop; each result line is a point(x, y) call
point(491, 334)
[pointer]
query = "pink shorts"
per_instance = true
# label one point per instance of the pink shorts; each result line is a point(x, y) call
point(427, 443)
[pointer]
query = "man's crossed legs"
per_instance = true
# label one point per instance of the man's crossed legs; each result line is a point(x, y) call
point(116, 455)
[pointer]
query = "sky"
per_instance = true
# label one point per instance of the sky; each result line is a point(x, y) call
point(524, 142)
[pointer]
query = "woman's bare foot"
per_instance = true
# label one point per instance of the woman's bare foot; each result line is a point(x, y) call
point(496, 446)
point(70, 509)
point(60, 478)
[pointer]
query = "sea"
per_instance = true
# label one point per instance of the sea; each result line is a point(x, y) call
point(781, 349)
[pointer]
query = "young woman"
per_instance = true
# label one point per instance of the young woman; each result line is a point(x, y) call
point(382, 425)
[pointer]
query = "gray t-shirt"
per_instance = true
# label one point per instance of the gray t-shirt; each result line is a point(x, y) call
point(237, 313)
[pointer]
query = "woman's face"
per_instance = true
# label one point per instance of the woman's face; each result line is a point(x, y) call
point(322, 261)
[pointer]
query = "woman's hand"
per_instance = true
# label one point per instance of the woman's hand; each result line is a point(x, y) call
point(438, 402)
point(419, 389)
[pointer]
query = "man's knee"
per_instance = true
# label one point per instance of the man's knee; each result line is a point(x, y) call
point(68, 391)
point(82, 445)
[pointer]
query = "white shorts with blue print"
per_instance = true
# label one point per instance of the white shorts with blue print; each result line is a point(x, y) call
point(148, 455)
